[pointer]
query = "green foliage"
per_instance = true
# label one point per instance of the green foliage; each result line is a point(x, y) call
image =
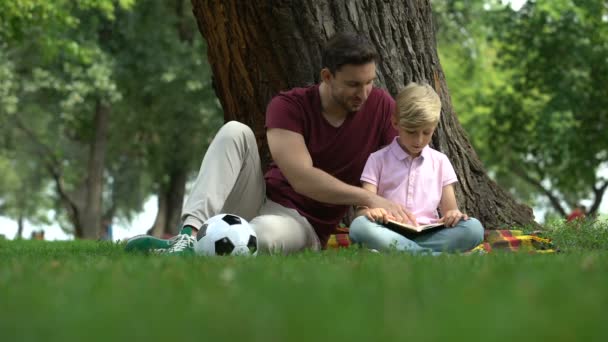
point(22, 182)
point(24, 189)
point(529, 90)
point(59, 74)
point(8, 97)
point(173, 112)
point(588, 234)
point(50, 24)
point(349, 295)
point(144, 60)
point(557, 52)
point(467, 58)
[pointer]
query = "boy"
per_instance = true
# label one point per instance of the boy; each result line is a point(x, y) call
point(418, 177)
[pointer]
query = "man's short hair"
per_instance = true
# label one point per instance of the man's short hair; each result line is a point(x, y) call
point(347, 48)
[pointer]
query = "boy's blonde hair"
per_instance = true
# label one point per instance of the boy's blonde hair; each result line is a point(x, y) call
point(417, 105)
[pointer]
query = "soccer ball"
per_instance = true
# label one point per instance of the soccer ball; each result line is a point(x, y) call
point(226, 234)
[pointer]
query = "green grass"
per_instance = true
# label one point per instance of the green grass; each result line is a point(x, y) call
point(93, 291)
point(586, 235)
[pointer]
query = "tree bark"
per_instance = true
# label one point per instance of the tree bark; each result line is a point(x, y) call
point(160, 222)
point(598, 195)
point(170, 202)
point(19, 234)
point(176, 192)
point(258, 48)
point(90, 222)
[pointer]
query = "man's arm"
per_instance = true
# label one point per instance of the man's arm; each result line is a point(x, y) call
point(375, 214)
point(289, 152)
point(363, 210)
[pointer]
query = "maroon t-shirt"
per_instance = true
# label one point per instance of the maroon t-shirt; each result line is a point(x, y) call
point(340, 151)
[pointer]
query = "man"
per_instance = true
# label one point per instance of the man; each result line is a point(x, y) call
point(319, 138)
point(577, 214)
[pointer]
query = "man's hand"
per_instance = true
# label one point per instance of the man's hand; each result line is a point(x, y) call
point(452, 217)
point(398, 212)
point(378, 215)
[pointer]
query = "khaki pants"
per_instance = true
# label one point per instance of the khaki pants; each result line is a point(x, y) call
point(231, 181)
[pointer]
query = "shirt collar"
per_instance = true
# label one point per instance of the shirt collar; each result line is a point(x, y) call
point(401, 155)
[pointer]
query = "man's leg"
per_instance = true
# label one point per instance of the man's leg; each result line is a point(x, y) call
point(375, 236)
point(283, 230)
point(230, 181)
point(464, 236)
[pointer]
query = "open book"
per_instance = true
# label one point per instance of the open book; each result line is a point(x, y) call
point(408, 229)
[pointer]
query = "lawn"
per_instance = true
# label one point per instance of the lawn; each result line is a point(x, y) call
point(93, 291)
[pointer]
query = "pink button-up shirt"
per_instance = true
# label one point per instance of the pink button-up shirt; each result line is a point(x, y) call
point(416, 183)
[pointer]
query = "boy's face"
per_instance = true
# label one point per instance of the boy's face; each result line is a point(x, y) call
point(351, 85)
point(414, 139)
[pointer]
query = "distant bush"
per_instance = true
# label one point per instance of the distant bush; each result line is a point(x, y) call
point(579, 235)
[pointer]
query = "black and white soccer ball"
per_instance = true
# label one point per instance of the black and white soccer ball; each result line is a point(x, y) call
point(226, 234)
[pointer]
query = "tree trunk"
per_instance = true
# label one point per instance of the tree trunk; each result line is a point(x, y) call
point(170, 202)
point(598, 195)
point(90, 222)
point(19, 234)
point(160, 222)
point(177, 189)
point(53, 166)
point(257, 48)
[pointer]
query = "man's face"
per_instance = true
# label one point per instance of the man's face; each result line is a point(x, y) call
point(351, 84)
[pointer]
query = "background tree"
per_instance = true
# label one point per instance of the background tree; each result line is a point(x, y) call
point(530, 94)
point(25, 194)
point(20, 180)
point(63, 91)
point(137, 61)
point(467, 47)
point(172, 110)
point(553, 113)
point(259, 48)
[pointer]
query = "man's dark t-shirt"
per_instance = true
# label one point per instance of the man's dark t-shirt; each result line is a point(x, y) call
point(340, 151)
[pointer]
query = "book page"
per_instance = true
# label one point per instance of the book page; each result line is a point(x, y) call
point(408, 226)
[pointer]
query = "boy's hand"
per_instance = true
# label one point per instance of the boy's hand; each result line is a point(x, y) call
point(452, 217)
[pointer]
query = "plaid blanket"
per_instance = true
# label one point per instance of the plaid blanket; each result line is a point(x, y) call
point(514, 241)
point(494, 240)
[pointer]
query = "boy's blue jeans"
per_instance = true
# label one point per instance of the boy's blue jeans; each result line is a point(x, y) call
point(464, 236)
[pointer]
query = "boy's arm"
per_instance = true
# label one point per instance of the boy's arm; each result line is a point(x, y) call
point(289, 152)
point(449, 207)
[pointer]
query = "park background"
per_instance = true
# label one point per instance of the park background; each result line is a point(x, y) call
point(526, 79)
point(106, 107)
